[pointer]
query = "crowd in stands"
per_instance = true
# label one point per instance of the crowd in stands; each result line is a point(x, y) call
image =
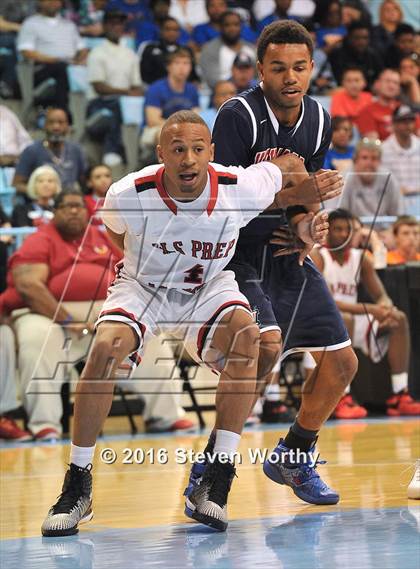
point(169, 55)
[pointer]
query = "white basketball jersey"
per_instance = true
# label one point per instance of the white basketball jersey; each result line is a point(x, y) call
point(183, 245)
point(342, 279)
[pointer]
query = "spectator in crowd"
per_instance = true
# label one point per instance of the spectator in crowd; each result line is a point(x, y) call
point(65, 157)
point(5, 241)
point(12, 14)
point(189, 13)
point(375, 120)
point(401, 157)
point(14, 138)
point(204, 33)
point(340, 154)
point(407, 241)
point(166, 96)
point(356, 52)
point(368, 190)
point(280, 13)
point(351, 99)
point(154, 54)
point(222, 92)
point(331, 30)
point(354, 11)
point(151, 31)
point(113, 71)
point(402, 46)
point(9, 429)
point(136, 11)
point(87, 15)
point(43, 185)
point(243, 72)
point(217, 56)
point(409, 75)
point(377, 328)
point(98, 181)
point(63, 286)
point(51, 42)
point(390, 16)
point(322, 79)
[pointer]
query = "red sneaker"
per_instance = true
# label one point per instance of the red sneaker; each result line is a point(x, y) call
point(47, 434)
point(10, 431)
point(402, 404)
point(182, 425)
point(347, 408)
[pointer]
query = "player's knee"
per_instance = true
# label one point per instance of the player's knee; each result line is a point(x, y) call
point(348, 364)
point(270, 351)
point(248, 340)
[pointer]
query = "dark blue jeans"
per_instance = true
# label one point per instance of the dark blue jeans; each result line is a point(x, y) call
point(108, 133)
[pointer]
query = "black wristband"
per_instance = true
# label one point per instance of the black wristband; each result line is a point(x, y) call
point(294, 210)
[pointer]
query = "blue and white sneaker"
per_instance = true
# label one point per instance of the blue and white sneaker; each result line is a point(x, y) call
point(304, 480)
point(196, 474)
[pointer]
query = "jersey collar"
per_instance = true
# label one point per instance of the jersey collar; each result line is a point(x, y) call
point(169, 202)
point(275, 122)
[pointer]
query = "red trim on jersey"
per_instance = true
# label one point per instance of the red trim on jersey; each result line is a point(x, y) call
point(346, 255)
point(205, 328)
point(163, 193)
point(144, 180)
point(214, 189)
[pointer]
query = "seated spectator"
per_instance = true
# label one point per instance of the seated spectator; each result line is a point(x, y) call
point(402, 46)
point(401, 156)
point(12, 14)
point(9, 429)
point(375, 120)
point(151, 31)
point(351, 99)
point(223, 91)
point(136, 11)
point(322, 78)
point(376, 328)
point(67, 158)
point(354, 11)
point(390, 16)
point(218, 55)
point(407, 241)
point(88, 16)
point(51, 42)
point(204, 33)
point(340, 154)
point(43, 185)
point(243, 72)
point(113, 70)
point(355, 51)
point(189, 13)
point(98, 182)
point(5, 241)
point(331, 30)
point(154, 54)
point(280, 13)
point(166, 96)
point(410, 75)
point(14, 138)
point(368, 190)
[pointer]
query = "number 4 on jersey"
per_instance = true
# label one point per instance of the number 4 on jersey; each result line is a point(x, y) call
point(194, 275)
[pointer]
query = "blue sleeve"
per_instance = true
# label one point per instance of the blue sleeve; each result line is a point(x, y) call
point(317, 160)
point(194, 96)
point(184, 37)
point(26, 163)
point(199, 34)
point(248, 34)
point(153, 96)
point(232, 137)
point(327, 162)
point(262, 23)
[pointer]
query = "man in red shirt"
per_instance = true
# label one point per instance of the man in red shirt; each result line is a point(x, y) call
point(375, 120)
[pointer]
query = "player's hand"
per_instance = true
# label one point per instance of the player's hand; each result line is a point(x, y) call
point(312, 229)
point(288, 241)
point(380, 313)
point(319, 187)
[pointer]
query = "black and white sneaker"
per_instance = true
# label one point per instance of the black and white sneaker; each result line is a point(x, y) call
point(208, 501)
point(74, 505)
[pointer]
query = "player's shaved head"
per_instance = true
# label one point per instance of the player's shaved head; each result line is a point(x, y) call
point(181, 118)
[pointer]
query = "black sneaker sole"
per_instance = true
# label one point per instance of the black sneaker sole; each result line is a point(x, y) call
point(209, 521)
point(69, 531)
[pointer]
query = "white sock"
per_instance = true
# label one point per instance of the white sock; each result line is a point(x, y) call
point(399, 381)
point(81, 456)
point(347, 390)
point(227, 442)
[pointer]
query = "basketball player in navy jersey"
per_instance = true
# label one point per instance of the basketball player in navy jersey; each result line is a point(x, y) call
point(274, 118)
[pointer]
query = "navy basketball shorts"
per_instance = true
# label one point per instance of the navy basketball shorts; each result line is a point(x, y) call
point(294, 299)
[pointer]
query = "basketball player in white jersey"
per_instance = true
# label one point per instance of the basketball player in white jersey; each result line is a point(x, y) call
point(178, 223)
point(377, 328)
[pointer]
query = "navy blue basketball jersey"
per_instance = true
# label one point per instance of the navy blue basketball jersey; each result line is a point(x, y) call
point(246, 131)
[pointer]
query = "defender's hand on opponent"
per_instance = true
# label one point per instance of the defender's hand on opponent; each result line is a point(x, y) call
point(319, 187)
point(311, 229)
